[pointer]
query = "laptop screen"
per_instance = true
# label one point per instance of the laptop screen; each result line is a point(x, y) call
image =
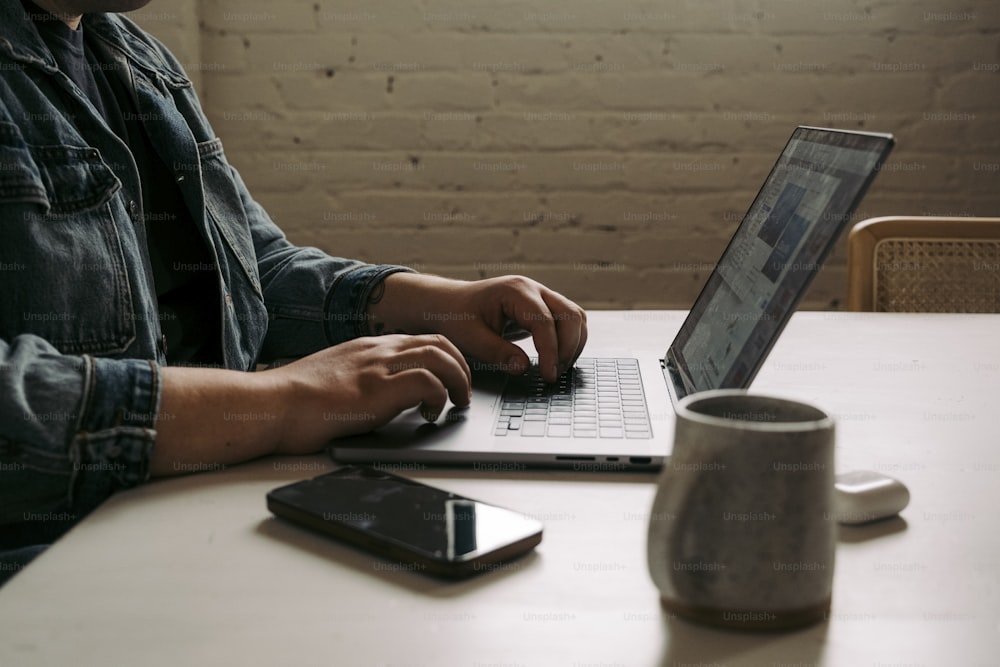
point(779, 246)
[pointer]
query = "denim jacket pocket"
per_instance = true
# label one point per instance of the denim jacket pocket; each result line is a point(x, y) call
point(63, 274)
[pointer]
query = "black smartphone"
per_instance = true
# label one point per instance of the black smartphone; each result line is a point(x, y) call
point(432, 530)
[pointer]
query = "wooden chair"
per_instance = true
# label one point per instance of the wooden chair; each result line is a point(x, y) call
point(924, 264)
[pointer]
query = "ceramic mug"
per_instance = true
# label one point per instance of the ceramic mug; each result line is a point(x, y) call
point(741, 532)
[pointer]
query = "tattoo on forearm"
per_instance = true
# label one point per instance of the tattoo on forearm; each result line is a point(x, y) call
point(376, 328)
point(377, 293)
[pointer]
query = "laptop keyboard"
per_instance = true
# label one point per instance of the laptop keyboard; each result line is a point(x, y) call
point(596, 398)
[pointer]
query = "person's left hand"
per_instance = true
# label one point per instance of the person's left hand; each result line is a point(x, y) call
point(481, 318)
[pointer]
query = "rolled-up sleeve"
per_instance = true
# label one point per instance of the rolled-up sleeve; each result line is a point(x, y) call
point(73, 430)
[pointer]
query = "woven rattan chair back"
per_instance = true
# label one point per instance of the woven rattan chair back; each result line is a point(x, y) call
point(925, 265)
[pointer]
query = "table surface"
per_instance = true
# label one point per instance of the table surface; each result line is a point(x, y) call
point(194, 570)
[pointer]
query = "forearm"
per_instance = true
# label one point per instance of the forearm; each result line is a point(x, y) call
point(412, 303)
point(213, 417)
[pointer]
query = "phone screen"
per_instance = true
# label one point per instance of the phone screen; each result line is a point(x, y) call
point(431, 524)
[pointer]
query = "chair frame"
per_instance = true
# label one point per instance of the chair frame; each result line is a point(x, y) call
point(863, 240)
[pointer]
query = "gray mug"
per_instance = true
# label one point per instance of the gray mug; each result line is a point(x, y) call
point(742, 533)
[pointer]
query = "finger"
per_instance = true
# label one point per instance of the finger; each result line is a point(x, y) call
point(452, 373)
point(571, 327)
point(405, 342)
point(495, 354)
point(419, 387)
point(583, 336)
point(530, 312)
point(442, 342)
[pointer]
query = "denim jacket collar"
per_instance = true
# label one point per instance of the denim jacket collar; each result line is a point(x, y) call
point(20, 40)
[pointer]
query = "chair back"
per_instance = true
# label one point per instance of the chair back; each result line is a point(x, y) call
point(924, 265)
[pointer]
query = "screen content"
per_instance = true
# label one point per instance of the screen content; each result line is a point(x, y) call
point(401, 510)
point(798, 214)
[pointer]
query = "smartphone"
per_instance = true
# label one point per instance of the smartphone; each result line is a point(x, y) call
point(432, 530)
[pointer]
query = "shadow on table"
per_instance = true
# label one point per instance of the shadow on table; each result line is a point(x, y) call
point(399, 574)
point(870, 531)
point(691, 644)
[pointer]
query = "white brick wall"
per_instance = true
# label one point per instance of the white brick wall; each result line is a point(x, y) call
point(606, 148)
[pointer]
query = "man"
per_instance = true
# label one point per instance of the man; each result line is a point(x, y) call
point(141, 282)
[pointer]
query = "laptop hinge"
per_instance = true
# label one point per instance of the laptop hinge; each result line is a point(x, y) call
point(674, 380)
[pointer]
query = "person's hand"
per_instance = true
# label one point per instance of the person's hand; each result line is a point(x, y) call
point(210, 416)
point(359, 385)
point(501, 306)
point(479, 317)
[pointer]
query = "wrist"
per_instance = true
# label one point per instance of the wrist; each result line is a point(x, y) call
point(216, 416)
point(272, 394)
point(410, 303)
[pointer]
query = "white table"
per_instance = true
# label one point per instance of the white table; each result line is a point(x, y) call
point(194, 571)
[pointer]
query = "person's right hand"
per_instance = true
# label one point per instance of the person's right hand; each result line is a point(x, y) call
point(359, 385)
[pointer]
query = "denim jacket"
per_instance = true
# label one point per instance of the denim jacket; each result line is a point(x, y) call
point(80, 339)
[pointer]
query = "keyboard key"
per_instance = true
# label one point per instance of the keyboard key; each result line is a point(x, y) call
point(559, 430)
point(533, 429)
point(612, 433)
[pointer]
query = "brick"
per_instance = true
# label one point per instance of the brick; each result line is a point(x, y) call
point(424, 246)
point(241, 96)
point(362, 16)
point(463, 212)
point(278, 54)
point(258, 16)
point(441, 91)
point(973, 91)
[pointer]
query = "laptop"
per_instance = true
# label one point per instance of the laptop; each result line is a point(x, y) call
point(606, 414)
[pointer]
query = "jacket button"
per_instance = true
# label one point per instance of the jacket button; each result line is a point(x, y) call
point(133, 210)
point(163, 345)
